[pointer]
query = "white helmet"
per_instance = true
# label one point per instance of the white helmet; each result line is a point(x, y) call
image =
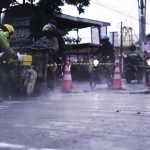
point(49, 28)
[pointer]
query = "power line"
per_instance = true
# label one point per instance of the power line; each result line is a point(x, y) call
point(115, 10)
point(110, 6)
point(131, 9)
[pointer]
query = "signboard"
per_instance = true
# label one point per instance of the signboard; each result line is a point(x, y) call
point(103, 30)
point(95, 35)
point(114, 38)
point(22, 31)
point(146, 46)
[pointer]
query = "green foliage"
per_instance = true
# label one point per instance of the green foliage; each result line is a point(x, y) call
point(47, 9)
point(80, 4)
point(5, 4)
point(31, 1)
point(71, 40)
point(38, 20)
point(53, 6)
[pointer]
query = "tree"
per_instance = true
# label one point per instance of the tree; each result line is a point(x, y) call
point(5, 4)
point(45, 10)
point(54, 5)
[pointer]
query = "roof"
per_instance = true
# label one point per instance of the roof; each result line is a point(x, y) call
point(63, 20)
point(72, 22)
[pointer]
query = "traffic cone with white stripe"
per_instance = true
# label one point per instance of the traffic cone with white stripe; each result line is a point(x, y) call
point(117, 83)
point(67, 79)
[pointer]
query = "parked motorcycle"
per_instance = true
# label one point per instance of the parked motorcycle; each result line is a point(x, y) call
point(133, 72)
point(102, 71)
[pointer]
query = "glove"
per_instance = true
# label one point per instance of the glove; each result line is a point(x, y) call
point(20, 57)
point(1, 54)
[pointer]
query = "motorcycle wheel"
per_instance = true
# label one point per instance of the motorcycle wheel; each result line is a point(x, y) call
point(110, 81)
point(140, 78)
point(128, 78)
point(92, 81)
point(59, 83)
point(29, 83)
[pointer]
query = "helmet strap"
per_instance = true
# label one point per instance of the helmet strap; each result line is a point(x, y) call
point(7, 34)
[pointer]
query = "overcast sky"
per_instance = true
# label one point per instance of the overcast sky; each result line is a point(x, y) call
point(112, 11)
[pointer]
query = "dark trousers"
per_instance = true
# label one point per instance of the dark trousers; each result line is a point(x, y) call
point(59, 62)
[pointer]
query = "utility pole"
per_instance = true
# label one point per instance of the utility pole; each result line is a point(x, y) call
point(142, 21)
point(121, 61)
point(77, 44)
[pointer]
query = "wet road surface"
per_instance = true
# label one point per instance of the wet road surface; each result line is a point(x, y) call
point(101, 119)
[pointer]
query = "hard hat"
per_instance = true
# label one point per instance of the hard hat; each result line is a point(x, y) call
point(9, 31)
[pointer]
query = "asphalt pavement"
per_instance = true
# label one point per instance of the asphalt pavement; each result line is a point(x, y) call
point(85, 119)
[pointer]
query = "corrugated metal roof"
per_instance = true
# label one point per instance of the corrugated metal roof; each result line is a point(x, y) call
point(77, 22)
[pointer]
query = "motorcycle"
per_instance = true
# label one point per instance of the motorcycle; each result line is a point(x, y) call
point(133, 72)
point(29, 76)
point(100, 72)
point(41, 65)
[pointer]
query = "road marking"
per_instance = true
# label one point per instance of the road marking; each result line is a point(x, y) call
point(22, 147)
point(6, 145)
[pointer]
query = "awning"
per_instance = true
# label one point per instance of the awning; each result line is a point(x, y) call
point(71, 22)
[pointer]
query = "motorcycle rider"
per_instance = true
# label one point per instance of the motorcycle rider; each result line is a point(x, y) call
point(49, 41)
point(61, 52)
point(106, 54)
point(106, 49)
point(6, 34)
point(134, 57)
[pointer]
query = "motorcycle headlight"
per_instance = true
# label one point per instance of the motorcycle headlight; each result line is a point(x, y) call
point(148, 62)
point(95, 62)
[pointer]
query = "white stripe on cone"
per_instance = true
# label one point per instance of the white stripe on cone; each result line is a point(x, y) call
point(117, 69)
point(117, 76)
point(67, 68)
point(67, 77)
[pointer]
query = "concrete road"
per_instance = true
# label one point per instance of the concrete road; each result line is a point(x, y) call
point(101, 119)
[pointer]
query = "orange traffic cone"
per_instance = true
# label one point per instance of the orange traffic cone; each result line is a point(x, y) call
point(117, 83)
point(67, 79)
